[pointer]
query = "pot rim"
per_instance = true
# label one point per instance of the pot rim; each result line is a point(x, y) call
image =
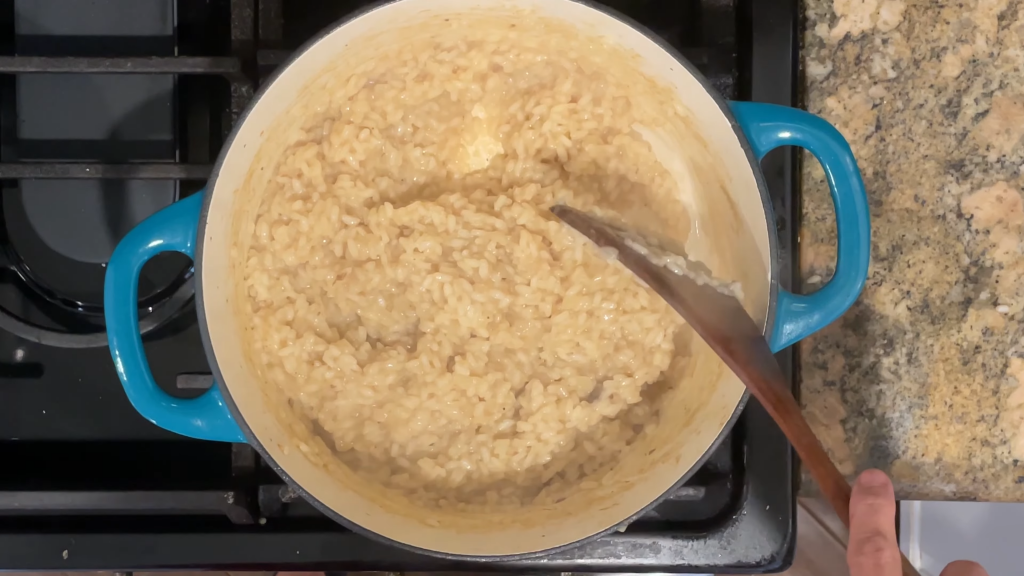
point(773, 273)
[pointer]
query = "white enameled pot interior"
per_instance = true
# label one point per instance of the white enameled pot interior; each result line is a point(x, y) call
point(730, 233)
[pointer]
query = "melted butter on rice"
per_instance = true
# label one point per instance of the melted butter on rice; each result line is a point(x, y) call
point(413, 298)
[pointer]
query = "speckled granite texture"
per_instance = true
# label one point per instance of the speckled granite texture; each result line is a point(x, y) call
point(924, 376)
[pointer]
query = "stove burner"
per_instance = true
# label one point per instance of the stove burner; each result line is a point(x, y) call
point(63, 233)
point(59, 236)
point(86, 225)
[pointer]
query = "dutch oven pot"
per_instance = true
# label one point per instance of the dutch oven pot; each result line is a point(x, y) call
point(737, 135)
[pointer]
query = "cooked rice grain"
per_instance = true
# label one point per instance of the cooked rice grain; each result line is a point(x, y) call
point(413, 297)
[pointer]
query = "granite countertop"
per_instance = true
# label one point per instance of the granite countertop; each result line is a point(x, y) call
point(924, 376)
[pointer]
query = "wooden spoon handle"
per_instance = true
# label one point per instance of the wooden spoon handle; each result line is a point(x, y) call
point(721, 321)
point(779, 402)
point(787, 414)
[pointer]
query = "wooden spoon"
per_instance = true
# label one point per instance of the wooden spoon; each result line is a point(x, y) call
point(720, 320)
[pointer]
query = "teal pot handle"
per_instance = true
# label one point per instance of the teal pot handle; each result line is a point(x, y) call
point(767, 127)
point(171, 229)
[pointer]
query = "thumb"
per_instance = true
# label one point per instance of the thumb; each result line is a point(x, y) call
point(872, 550)
point(964, 568)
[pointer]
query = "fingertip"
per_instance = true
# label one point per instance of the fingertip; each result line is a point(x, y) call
point(873, 504)
point(872, 548)
point(964, 568)
point(874, 479)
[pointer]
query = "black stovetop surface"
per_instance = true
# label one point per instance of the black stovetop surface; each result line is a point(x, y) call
point(110, 110)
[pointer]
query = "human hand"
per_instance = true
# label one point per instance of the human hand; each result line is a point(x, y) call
point(873, 548)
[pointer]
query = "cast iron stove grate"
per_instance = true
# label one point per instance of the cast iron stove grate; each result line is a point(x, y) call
point(86, 484)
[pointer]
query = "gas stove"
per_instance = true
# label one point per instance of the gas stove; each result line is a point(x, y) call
point(113, 109)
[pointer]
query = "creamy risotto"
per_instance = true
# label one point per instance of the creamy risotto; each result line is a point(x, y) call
point(413, 298)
